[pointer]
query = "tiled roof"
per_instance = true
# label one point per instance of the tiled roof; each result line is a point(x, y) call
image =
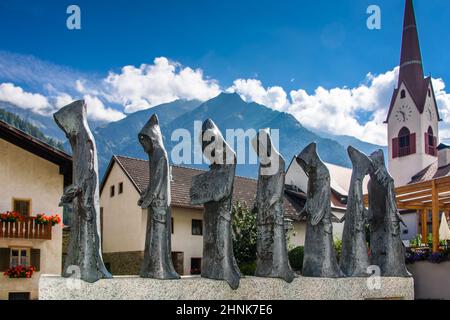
point(431, 172)
point(244, 189)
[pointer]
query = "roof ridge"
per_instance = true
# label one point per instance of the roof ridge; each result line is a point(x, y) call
point(34, 139)
point(181, 167)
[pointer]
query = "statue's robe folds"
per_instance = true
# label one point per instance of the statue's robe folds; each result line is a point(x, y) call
point(214, 190)
point(272, 256)
point(387, 249)
point(354, 260)
point(84, 257)
point(319, 254)
point(156, 199)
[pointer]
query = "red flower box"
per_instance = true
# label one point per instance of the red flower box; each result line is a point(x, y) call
point(20, 272)
point(48, 220)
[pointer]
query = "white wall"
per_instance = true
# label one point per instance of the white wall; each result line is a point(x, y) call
point(26, 176)
point(124, 222)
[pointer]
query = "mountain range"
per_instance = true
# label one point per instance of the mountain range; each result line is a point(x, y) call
point(228, 111)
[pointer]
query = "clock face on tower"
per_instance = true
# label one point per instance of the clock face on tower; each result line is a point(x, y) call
point(404, 113)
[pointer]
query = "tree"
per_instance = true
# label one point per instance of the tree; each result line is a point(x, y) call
point(244, 237)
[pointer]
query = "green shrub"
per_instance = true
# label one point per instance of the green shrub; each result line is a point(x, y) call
point(296, 258)
point(338, 248)
point(248, 269)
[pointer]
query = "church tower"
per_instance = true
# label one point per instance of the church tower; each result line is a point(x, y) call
point(413, 114)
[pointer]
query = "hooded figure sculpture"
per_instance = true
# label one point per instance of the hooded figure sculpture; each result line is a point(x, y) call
point(354, 257)
point(386, 245)
point(214, 190)
point(84, 249)
point(157, 255)
point(272, 256)
point(319, 257)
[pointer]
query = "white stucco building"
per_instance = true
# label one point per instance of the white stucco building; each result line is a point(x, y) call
point(124, 222)
point(33, 175)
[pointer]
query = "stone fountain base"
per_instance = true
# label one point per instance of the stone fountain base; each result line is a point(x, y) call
point(196, 288)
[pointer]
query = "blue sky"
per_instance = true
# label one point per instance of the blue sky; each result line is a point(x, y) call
point(291, 44)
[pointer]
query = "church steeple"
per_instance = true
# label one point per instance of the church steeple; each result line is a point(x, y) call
point(411, 69)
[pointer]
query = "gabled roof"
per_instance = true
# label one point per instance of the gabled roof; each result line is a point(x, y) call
point(137, 170)
point(38, 148)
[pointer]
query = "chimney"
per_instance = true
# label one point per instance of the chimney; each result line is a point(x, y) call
point(444, 155)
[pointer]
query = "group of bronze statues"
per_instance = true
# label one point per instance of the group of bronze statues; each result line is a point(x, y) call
point(214, 189)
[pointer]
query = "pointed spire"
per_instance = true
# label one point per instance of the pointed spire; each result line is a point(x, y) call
point(411, 69)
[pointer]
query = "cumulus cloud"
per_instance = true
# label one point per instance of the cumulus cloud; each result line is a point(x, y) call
point(26, 100)
point(335, 111)
point(161, 82)
point(252, 90)
point(359, 111)
point(97, 111)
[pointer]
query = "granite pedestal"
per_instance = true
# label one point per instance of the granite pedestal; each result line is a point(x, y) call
point(196, 288)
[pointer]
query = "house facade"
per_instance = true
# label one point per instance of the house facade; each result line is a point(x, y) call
point(124, 222)
point(34, 175)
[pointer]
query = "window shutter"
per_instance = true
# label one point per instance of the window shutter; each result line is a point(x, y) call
point(35, 259)
point(395, 145)
point(412, 143)
point(435, 147)
point(4, 259)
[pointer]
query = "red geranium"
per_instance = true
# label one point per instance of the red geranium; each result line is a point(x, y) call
point(48, 220)
point(20, 272)
point(10, 217)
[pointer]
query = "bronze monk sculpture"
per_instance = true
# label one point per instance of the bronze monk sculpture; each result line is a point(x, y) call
point(156, 199)
point(214, 190)
point(319, 257)
point(388, 251)
point(354, 260)
point(272, 255)
point(84, 248)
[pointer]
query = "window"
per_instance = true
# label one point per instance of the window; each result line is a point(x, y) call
point(121, 188)
point(22, 207)
point(112, 191)
point(197, 227)
point(404, 144)
point(196, 266)
point(171, 225)
point(19, 257)
point(429, 92)
point(403, 94)
point(430, 143)
point(19, 296)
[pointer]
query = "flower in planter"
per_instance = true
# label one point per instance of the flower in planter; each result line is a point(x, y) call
point(11, 217)
point(437, 257)
point(20, 272)
point(48, 220)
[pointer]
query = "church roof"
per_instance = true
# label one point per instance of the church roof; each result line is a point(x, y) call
point(411, 67)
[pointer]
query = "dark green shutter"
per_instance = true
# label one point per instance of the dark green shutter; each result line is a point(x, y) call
point(35, 259)
point(4, 259)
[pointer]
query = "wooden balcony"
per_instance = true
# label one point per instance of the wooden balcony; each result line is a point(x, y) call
point(26, 229)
